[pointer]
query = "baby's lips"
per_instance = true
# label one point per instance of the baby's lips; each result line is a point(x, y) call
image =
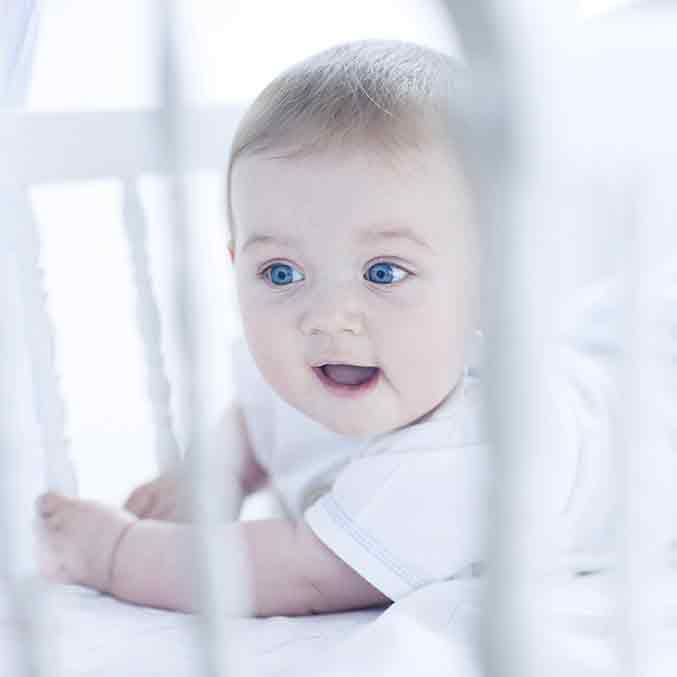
point(349, 374)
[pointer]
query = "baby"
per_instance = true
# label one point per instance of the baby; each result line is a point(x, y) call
point(354, 246)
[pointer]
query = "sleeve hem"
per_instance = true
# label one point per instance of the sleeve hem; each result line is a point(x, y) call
point(360, 551)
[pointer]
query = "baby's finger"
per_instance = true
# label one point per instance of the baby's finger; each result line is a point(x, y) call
point(53, 523)
point(49, 503)
point(140, 502)
point(133, 497)
point(163, 509)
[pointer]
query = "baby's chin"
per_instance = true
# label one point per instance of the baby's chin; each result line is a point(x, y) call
point(355, 429)
point(365, 425)
point(371, 422)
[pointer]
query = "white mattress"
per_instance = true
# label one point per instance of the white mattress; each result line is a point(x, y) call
point(94, 635)
point(434, 632)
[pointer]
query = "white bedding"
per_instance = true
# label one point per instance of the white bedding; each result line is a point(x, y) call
point(95, 635)
point(433, 632)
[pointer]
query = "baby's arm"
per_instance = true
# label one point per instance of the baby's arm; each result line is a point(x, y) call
point(292, 572)
point(324, 582)
point(166, 497)
point(150, 562)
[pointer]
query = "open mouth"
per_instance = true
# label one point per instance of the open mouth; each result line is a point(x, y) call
point(347, 379)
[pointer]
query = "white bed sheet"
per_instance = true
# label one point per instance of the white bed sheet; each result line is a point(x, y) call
point(97, 636)
point(434, 632)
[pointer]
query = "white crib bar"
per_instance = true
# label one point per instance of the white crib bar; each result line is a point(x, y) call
point(37, 147)
point(636, 461)
point(16, 55)
point(504, 616)
point(23, 593)
point(150, 326)
point(220, 577)
point(501, 45)
point(39, 331)
point(646, 584)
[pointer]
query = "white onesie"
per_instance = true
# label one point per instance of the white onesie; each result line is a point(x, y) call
point(403, 509)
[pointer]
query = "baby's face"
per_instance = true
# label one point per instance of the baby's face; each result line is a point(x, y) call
point(350, 258)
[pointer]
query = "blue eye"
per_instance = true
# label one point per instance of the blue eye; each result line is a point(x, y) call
point(281, 274)
point(385, 273)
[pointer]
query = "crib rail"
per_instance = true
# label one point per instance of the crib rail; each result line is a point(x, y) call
point(492, 149)
point(38, 148)
point(221, 577)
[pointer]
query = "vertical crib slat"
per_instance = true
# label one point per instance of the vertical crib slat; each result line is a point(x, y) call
point(28, 656)
point(636, 465)
point(39, 331)
point(150, 327)
point(25, 593)
point(21, 659)
point(490, 150)
point(509, 47)
point(646, 417)
point(646, 453)
point(221, 579)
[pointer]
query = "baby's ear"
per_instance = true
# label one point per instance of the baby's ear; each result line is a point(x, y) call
point(231, 250)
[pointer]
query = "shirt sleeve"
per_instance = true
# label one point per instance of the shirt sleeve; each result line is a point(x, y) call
point(403, 521)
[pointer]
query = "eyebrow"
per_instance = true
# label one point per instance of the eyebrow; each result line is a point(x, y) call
point(263, 239)
point(397, 233)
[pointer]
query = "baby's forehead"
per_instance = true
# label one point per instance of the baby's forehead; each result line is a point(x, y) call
point(364, 205)
point(348, 175)
point(411, 198)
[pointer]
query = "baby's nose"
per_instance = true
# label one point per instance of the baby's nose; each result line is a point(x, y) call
point(334, 312)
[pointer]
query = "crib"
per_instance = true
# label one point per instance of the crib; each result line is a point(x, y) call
point(532, 65)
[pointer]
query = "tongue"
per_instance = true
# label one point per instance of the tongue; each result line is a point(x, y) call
point(348, 374)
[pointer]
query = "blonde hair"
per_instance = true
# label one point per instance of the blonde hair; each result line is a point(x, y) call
point(386, 93)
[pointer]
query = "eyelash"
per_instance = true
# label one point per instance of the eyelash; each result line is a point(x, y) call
point(388, 262)
point(264, 273)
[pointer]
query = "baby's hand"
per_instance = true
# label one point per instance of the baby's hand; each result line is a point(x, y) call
point(164, 498)
point(77, 539)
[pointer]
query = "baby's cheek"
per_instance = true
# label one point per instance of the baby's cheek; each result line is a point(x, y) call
point(274, 350)
point(426, 354)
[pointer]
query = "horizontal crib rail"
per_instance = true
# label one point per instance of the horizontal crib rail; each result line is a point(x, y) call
point(45, 147)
